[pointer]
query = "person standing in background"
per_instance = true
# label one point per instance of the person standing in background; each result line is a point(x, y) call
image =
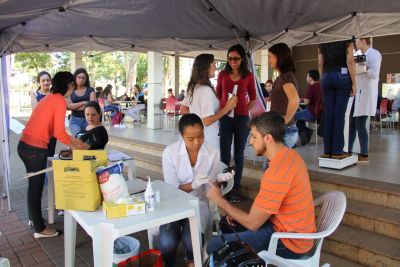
point(235, 127)
point(47, 120)
point(365, 101)
point(78, 99)
point(44, 80)
point(202, 100)
point(284, 96)
point(338, 69)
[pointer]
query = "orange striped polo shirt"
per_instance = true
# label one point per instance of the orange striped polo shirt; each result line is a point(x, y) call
point(285, 193)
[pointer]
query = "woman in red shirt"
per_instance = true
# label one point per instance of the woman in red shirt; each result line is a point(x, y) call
point(235, 75)
point(47, 120)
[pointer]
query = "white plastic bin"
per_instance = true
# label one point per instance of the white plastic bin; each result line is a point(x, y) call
point(132, 243)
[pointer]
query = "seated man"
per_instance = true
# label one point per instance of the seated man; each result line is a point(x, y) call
point(314, 93)
point(284, 202)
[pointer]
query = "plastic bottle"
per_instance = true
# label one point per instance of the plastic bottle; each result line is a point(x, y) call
point(149, 196)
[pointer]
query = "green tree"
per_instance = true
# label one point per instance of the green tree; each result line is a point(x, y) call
point(63, 61)
point(141, 77)
point(106, 66)
point(32, 63)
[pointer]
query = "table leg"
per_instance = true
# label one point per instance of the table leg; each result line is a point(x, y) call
point(150, 238)
point(196, 243)
point(50, 194)
point(69, 239)
point(131, 169)
point(103, 245)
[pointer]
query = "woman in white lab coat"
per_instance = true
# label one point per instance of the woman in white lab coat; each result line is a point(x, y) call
point(365, 102)
point(189, 164)
point(201, 98)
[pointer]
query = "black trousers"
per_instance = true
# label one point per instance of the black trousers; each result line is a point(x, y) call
point(35, 159)
point(237, 130)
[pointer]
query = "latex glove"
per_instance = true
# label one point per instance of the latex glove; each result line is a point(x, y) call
point(224, 177)
point(199, 180)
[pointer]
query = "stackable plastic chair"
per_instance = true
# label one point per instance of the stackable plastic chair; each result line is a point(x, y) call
point(333, 209)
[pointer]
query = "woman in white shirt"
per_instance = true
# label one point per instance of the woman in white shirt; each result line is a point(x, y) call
point(189, 164)
point(202, 100)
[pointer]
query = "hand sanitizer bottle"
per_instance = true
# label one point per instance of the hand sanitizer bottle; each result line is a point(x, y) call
point(149, 196)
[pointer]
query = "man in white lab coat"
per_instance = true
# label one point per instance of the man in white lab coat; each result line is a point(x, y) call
point(366, 97)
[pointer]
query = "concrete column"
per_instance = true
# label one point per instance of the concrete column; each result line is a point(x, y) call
point(76, 61)
point(175, 74)
point(154, 89)
point(266, 71)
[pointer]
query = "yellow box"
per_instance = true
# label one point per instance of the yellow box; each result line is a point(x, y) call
point(99, 155)
point(113, 210)
point(76, 185)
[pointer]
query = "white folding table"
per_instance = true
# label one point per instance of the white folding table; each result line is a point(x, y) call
point(174, 205)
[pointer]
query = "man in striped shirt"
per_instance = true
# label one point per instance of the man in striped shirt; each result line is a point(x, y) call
point(284, 202)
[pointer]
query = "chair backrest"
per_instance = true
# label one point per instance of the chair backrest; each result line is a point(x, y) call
point(170, 105)
point(383, 107)
point(331, 214)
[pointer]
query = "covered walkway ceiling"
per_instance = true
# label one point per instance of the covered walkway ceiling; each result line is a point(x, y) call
point(187, 25)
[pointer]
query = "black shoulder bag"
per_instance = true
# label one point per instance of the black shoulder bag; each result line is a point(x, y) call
point(234, 253)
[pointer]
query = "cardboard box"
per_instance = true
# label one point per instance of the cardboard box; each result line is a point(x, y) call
point(114, 210)
point(75, 182)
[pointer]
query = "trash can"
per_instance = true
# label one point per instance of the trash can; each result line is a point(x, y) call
point(124, 248)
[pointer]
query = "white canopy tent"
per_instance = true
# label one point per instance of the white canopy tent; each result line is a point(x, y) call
point(185, 25)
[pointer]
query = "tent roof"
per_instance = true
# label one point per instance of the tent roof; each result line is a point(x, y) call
point(186, 25)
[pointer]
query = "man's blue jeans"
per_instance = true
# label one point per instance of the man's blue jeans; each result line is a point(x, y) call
point(302, 117)
point(337, 89)
point(258, 240)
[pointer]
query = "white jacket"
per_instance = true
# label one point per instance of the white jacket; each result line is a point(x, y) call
point(177, 170)
point(367, 85)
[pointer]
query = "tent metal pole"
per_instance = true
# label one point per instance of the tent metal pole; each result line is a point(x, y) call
point(335, 23)
point(5, 141)
point(378, 28)
point(11, 40)
point(352, 15)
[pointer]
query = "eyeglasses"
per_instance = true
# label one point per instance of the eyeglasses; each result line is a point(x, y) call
point(234, 58)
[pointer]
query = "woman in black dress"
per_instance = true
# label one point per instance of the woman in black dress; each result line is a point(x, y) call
point(94, 135)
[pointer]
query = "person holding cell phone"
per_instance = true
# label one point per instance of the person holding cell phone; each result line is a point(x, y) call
point(202, 100)
point(237, 80)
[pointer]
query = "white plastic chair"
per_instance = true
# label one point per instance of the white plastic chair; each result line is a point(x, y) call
point(333, 208)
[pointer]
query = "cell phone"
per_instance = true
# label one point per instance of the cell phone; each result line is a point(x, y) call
point(229, 169)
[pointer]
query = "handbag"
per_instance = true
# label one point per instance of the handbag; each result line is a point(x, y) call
point(234, 253)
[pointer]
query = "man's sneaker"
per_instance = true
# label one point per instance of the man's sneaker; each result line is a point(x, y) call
point(233, 196)
point(363, 159)
point(309, 134)
point(303, 138)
